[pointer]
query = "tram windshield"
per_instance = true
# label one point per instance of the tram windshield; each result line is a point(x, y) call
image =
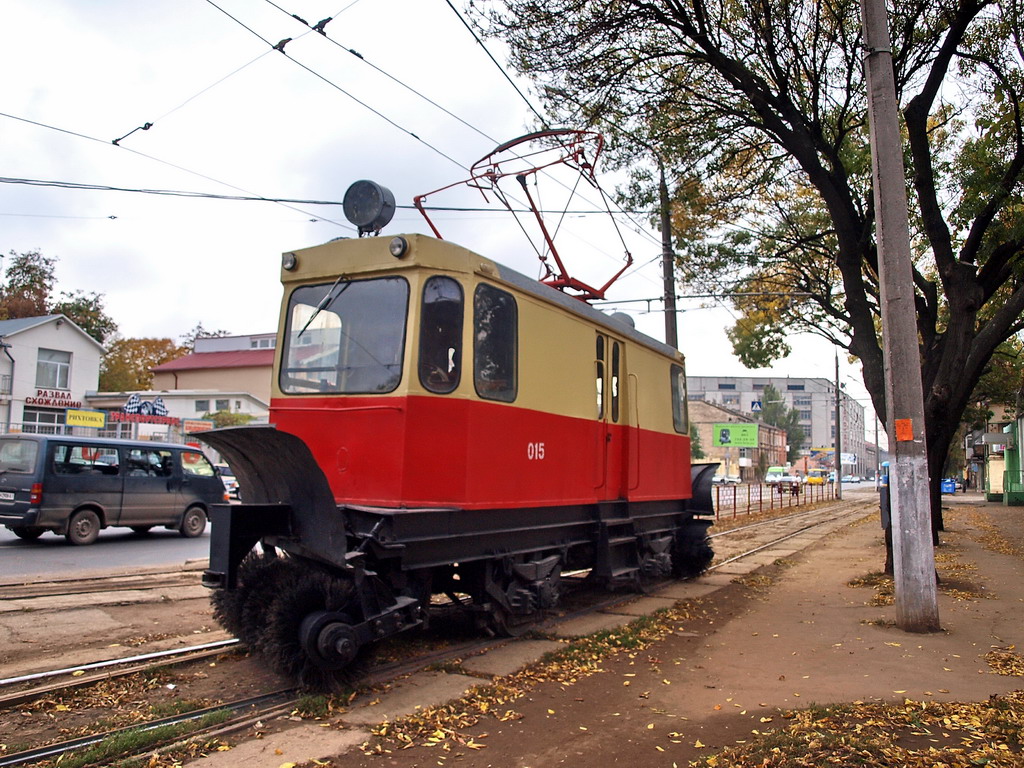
point(347, 337)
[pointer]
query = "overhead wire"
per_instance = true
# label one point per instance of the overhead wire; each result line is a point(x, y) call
point(245, 198)
point(287, 202)
point(280, 47)
point(320, 27)
point(172, 165)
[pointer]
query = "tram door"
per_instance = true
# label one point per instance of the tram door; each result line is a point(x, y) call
point(612, 444)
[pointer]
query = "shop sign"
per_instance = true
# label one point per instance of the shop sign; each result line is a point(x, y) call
point(190, 426)
point(140, 418)
point(80, 418)
point(53, 398)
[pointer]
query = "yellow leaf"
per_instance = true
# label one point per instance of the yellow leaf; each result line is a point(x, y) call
point(899, 691)
point(287, 765)
point(63, 708)
point(766, 719)
point(78, 673)
point(551, 711)
point(698, 745)
point(650, 726)
point(658, 748)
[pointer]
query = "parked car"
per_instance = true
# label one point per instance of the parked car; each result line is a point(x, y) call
point(227, 476)
point(726, 480)
point(75, 486)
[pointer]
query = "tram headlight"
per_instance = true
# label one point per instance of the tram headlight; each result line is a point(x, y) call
point(289, 261)
point(398, 247)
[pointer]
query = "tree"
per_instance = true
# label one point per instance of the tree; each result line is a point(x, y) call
point(774, 411)
point(759, 110)
point(126, 365)
point(696, 450)
point(228, 419)
point(29, 282)
point(86, 311)
point(188, 340)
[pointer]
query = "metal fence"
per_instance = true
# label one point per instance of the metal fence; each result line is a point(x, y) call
point(735, 500)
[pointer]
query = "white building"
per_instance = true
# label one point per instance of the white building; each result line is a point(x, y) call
point(183, 412)
point(814, 399)
point(47, 364)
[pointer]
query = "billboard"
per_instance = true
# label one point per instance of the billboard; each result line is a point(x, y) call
point(734, 434)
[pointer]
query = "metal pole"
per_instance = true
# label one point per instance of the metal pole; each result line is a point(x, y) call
point(913, 557)
point(668, 267)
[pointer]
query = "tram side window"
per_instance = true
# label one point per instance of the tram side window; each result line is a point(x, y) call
point(441, 335)
point(495, 332)
point(599, 376)
point(615, 381)
point(679, 417)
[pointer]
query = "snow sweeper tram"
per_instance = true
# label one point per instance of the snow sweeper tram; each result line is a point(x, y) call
point(442, 424)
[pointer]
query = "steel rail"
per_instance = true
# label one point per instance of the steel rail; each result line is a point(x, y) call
point(123, 660)
point(63, 747)
point(804, 529)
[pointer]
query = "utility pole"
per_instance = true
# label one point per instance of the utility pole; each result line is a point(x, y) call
point(837, 446)
point(668, 265)
point(917, 607)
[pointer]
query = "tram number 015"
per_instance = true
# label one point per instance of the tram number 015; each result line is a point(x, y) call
point(535, 451)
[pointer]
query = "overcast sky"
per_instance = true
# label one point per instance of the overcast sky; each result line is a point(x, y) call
point(232, 116)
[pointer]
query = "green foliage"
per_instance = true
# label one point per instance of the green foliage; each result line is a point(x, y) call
point(696, 449)
point(26, 292)
point(229, 419)
point(87, 312)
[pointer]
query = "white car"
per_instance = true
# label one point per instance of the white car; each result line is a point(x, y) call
point(227, 476)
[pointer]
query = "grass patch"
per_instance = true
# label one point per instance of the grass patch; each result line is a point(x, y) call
point(313, 706)
point(127, 742)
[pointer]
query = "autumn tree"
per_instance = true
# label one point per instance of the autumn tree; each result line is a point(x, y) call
point(758, 112)
point(776, 412)
point(27, 290)
point(126, 365)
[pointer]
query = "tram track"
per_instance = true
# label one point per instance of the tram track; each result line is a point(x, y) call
point(60, 587)
point(246, 712)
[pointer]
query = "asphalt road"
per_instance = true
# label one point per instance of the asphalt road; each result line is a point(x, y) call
point(117, 549)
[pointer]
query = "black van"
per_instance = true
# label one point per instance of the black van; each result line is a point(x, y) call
point(75, 486)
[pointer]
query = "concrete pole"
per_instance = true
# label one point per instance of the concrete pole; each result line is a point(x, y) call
point(837, 443)
point(913, 556)
point(668, 266)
